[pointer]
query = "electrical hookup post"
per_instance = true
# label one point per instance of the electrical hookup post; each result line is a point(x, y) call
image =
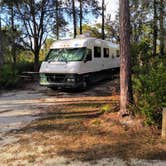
point(163, 131)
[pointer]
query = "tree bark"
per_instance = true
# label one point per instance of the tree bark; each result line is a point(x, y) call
point(57, 20)
point(36, 54)
point(162, 30)
point(154, 27)
point(36, 62)
point(80, 16)
point(1, 46)
point(13, 51)
point(74, 18)
point(103, 20)
point(125, 73)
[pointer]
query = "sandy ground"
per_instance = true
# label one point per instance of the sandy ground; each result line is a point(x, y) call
point(39, 126)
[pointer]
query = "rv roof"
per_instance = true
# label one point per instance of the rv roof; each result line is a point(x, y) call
point(82, 42)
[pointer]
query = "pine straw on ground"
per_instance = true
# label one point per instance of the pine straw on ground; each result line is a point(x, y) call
point(84, 134)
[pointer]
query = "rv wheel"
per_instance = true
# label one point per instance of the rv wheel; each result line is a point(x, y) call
point(53, 88)
point(84, 85)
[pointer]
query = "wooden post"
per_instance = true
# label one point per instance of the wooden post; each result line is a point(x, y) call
point(163, 134)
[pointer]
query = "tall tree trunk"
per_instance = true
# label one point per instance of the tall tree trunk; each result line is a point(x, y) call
point(103, 20)
point(35, 37)
point(1, 46)
point(57, 20)
point(13, 36)
point(36, 55)
point(74, 18)
point(125, 73)
point(162, 31)
point(36, 61)
point(80, 16)
point(154, 27)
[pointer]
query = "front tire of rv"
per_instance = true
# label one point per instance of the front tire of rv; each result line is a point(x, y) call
point(84, 85)
point(54, 88)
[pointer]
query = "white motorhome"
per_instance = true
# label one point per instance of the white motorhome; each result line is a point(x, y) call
point(76, 62)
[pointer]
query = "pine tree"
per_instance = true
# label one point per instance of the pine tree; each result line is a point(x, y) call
point(103, 19)
point(1, 51)
point(125, 74)
point(162, 30)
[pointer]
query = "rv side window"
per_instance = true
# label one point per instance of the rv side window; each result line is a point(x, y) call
point(88, 55)
point(97, 52)
point(117, 53)
point(106, 52)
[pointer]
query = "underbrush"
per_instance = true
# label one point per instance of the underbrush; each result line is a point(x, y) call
point(149, 86)
point(150, 92)
point(9, 75)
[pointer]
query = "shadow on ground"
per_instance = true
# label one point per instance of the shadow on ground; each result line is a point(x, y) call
point(72, 125)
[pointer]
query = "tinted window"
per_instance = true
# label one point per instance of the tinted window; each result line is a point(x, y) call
point(106, 52)
point(97, 52)
point(66, 54)
point(88, 54)
point(112, 55)
point(117, 53)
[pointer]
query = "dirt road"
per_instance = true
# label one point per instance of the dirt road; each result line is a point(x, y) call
point(20, 107)
point(39, 126)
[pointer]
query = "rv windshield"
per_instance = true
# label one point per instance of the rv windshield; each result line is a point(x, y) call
point(66, 54)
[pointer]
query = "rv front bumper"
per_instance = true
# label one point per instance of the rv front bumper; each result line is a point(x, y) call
point(60, 80)
point(62, 85)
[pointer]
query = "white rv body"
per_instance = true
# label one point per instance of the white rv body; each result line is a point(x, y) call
point(82, 68)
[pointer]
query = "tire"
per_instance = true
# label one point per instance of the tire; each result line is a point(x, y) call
point(84, 85)
point(53, 88)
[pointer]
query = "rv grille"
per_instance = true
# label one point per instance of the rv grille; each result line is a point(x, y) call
point(56, 78)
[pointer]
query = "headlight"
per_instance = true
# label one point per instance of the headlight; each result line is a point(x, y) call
point(71, 80)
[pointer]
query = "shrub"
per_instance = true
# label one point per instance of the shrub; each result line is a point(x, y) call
point(149, 80)
point(24, 66)
point(106, 108)
point(8, 77)
point(150, 90)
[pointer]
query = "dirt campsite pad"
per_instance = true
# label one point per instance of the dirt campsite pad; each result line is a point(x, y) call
point(39, 126)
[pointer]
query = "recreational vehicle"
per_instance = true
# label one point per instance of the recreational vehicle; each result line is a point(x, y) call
point(77, 62)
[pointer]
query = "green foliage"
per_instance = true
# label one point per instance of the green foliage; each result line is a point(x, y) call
point(106, 108)
point(150, 89)
point(25, 56)
point(94, 31)
point(140, 54)
point(8, 77)
point(24, 66)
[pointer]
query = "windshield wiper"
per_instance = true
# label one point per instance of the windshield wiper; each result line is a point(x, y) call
point(51, 60)
point(64, 59)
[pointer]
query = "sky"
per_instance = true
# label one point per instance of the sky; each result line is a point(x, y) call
point(111, 7)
